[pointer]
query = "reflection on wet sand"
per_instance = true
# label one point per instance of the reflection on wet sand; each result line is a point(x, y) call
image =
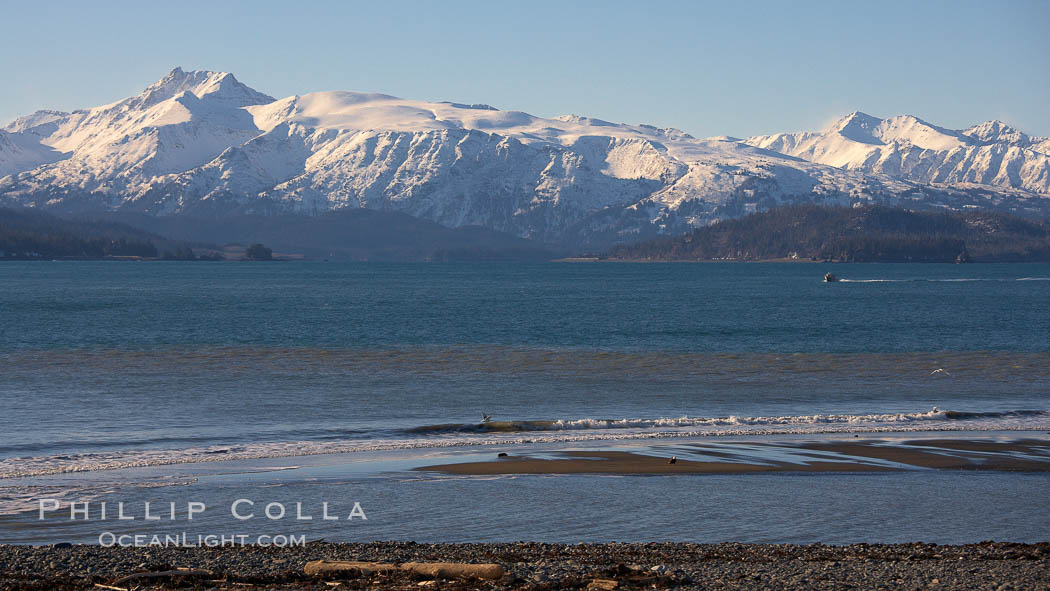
point(745, 457)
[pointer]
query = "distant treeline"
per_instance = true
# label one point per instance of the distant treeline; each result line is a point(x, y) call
point(29, 234)
point(352, 234)
point(863, 234)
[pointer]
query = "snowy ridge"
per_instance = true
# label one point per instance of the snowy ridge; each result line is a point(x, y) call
point(906, 147)
point(23, 151)
point(203, 141)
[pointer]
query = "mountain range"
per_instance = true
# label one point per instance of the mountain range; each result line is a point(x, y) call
point(200, 144)
point(990, 154)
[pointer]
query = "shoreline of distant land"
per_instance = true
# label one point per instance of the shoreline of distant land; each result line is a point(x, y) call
point(789, 234)
point(870, 234)
point(535, 565)
point(136, 259)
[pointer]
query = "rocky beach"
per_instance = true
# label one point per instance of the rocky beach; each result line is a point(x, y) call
point(529, 565)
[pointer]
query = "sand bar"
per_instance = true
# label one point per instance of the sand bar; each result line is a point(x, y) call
point(764, 456)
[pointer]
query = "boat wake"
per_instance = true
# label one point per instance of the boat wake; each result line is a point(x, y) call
point(948, 280)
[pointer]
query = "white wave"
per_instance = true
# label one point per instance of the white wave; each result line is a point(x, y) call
point(579, 430)
point(934, 413)
point(21, 498)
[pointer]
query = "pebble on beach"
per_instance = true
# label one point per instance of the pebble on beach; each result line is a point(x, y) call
point(987, 565)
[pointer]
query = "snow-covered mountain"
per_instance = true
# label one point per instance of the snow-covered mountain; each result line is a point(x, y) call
point(203, 143)
point(20, 152)
point(909, 148)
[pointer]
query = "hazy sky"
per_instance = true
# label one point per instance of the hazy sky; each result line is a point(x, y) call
point(709, 68)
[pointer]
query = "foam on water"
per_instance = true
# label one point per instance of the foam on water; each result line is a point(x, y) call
point(526, 432)
point(20, 498)
point(680, 422)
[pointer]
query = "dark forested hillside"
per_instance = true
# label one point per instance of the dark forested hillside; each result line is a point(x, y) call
point(357, 234)
point(28, 234)
point(352, 234)
point(866, 234)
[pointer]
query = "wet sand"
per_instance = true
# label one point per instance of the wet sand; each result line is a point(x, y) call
point(763, 456)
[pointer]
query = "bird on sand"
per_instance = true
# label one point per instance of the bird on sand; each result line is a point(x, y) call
point(673, 460)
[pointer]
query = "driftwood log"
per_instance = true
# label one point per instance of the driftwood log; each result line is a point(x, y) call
point(444, 570)
point(324, 567)
point(453, 570)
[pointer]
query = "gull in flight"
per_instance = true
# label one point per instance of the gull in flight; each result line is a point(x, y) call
point(485, 418)
point(940, 370)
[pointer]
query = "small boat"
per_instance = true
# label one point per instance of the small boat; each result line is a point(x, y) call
point(830, 277)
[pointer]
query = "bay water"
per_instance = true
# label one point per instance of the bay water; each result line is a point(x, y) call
point(314, 382)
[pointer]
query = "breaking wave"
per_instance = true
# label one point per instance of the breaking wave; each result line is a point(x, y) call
point(449, 435)
point(681, 422)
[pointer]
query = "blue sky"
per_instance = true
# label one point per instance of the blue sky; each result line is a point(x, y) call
point(709, 68)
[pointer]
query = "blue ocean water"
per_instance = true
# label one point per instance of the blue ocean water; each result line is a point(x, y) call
point(608, 307)
point(119, 378)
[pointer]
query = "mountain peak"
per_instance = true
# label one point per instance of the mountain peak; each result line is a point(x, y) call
point(996, 132)
point(858, 126)
point(856, 117)
point(203, 83)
